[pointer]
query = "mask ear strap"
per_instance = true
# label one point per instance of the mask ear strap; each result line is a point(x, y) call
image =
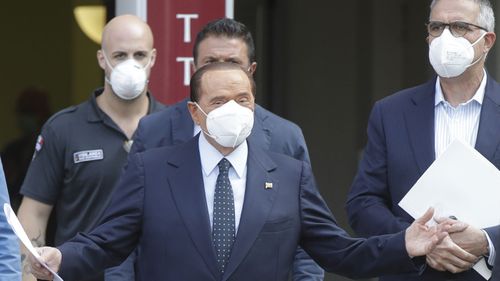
point(147, 64)
point(206, 133)
point(109, 65)
point(478, 59)
point(199, 107)
point(106, 59)
point(480, 37)
point(481, 56)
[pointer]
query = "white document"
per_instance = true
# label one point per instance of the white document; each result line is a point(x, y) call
point(19, 231)
point(462, 183)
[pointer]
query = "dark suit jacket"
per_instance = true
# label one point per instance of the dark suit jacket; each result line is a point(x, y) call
point(496, 267)
point(161, 205)
point(174, 126)
point(270, 132)
point(400, 148)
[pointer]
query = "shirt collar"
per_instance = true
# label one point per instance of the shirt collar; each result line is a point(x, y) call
point(210, 157)
point(478, 96)
point(154, 104)
point(96, 114)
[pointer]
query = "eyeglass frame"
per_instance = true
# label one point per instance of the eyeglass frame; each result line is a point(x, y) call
point(451, 30)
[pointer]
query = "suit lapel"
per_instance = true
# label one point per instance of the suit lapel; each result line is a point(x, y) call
point(488, 135)
point(182, 124)
point(261, 131)
point(186, 183)
point(257, 205)
point(420, 125)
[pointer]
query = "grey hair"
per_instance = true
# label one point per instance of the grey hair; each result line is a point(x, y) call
point(486, 16)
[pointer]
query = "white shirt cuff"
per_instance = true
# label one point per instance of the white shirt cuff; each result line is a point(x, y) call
point(491, 248)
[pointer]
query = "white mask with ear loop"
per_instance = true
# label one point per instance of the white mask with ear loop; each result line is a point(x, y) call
point(230, 124)
point(450, 56)
point(127, 79)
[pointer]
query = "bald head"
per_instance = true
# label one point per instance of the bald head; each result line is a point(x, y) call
point(126, 27)
point(126, 37)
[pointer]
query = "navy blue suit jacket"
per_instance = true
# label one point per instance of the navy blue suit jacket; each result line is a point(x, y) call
point(161, 207)
point(270, 132)
point(496, 267)
point(400, 148)
point(174, 126)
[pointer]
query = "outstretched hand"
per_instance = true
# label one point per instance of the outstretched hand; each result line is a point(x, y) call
point(421, 239)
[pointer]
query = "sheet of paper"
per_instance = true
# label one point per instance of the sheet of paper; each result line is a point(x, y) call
point(19, 231)
point(462, 183)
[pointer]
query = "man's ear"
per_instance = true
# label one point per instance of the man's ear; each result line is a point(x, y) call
point(100, 59)
point(193, 66)
point(194, 111)
point(489, 41)
point(153, 58)
point(252, 68)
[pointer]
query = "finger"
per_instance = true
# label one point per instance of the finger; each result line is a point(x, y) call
point(43, 257)
point(451, 248)
point(445, 228)
point(41, 273)
point(457, 226)
point(462, 254)
point(453, 268)
point(37, 269)
point(443, 261)
point(434, 264)
point(451, 257)
point(456, 263)
point(440, 236)
point(445, 219)
point(426, 217)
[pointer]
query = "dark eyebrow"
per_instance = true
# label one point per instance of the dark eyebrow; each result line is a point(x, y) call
point(118, 52)
point(243, 94)
point(216, 98)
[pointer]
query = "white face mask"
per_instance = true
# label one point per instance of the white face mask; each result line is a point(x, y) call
point(128, 79)
point(230, 124)
point(450, 56)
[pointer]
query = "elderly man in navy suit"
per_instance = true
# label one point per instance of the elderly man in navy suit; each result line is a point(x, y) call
point(226, 40)
point(220, 208)
point(411, 128)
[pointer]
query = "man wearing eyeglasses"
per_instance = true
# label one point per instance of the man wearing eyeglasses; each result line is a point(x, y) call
point(410, 129)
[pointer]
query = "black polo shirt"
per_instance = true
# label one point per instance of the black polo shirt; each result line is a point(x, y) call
point(78, 159)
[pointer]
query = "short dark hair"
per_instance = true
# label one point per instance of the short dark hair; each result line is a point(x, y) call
point(195, 83)
point(226, 28)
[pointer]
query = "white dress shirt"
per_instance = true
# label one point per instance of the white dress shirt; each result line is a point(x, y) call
point(210, 157)
point(460, 122)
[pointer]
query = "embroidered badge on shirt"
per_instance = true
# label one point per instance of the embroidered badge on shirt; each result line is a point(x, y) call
point(38, 146)
point(39, 143)
point(88, 155)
